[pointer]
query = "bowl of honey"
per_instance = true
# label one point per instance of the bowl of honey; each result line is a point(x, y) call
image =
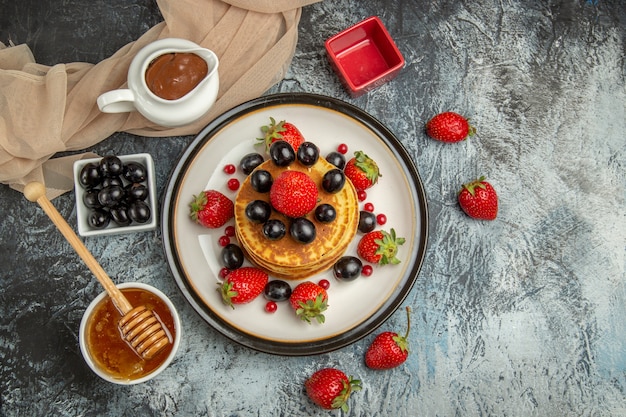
point(108, 354)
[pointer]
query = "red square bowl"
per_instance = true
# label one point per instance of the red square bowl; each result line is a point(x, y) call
point(364, 56)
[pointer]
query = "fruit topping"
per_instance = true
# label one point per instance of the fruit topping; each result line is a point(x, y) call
point(367, 221)
point(281, 131)
point(308, 154)
point(243, 285)
point(333, 180)
point(211, 209)
point(293, 193)
point(277, 290)
point(336, 159)
point(282, 154)
point(261, 181)
point(362, 171)
point(302, 230)
point(309, 300)
point(250, 161)
point(325, 213)
point(274, 229)
point(258, 211)
point(347, 268)
point(380, 247)
point(232, 256)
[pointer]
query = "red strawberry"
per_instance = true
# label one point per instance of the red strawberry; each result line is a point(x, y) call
point(293, 193)
point(362, 171)
point(330, 388)
point(211, 209)
point(479, 200)
point(310, 301)
point(380, 247)
point(389, 350)
point(243, 285)
point(449, 127)
point(281, 131)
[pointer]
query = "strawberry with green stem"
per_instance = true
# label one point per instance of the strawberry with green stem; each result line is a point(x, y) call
point(330, 388)
point(380, 247)
point(479, 200)
point(309, 300)
point(211, 209)
point(389, 350)
point(362, 171)
point(242, 285)
point(282, 130)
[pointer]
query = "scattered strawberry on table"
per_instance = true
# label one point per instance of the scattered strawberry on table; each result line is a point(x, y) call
point(362, 171)
point(211, 209)
point(309, 300)
point(281, 131)
point(330, 388)
point(243, 285)
point(380, 247)
point(389, 350)
point(449, 127)
point(479, 200)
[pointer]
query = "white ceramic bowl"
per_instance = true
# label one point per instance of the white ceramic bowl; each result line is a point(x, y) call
point(82, 211)
point(101, 372)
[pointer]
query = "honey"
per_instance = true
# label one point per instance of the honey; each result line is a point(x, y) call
point(173, 75)
point(107, 348)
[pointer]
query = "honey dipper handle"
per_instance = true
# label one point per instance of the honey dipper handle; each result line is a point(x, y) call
point(36, 192)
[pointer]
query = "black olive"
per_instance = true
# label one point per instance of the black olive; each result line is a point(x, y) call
point(135, 172)
point(111, 166)
point(136, 192)
point(98, 219)
point(139, 212)
point(90, 176)
point(111, 196)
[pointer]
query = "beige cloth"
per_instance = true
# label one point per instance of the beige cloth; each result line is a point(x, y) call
point(45, 110)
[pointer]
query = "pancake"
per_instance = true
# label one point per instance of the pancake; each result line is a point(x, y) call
point(287, 258)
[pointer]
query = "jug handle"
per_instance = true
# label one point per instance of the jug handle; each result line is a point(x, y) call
point(117, 101)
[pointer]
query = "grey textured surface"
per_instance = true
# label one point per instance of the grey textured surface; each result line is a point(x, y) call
point(523, 316)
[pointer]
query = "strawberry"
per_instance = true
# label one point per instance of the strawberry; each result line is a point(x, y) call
point(309, 300)
point(242, 285)
point(449, 127)
point(380, 247)
point(330, 388)
point(293, 193)
point(479, 200)
point(388, 349)
point(281, 131)
point(362, 171)
point(211, 209)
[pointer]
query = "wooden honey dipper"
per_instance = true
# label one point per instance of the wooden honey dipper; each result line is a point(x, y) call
point(139, 325)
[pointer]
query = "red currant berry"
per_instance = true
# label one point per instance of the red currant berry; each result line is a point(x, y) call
point(271, 307)
point(223, 241)
point(224, 272)
point(229, 231)
point(368, 207)
point(381, 219)
point(362, 195)
point(342, 148)
point(230, 169)
point(367, 270)
point(324, 283)
point(233, 184)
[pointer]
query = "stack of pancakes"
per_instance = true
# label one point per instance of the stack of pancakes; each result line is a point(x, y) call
point(287, 258)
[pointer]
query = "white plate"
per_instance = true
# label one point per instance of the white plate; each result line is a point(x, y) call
point(355, 308)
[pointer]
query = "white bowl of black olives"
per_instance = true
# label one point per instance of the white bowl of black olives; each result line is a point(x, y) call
point(115, 194)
